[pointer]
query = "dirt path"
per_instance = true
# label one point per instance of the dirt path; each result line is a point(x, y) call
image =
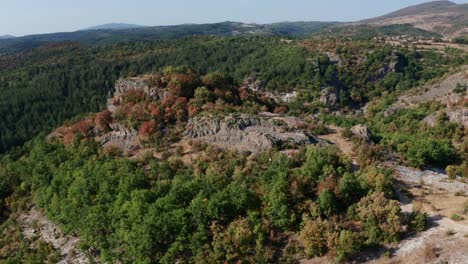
point(34, 222)
point(345, 145)
point(445, 240)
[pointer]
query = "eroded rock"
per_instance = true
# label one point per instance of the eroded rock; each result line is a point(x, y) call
point(248, 133)
point(125, 139)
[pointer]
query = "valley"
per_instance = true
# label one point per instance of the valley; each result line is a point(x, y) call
point(292, 142)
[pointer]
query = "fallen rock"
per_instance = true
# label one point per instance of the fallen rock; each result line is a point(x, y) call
point(363, 132)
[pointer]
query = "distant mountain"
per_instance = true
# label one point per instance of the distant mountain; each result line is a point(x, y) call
point(106, 36)
point(113, 26)
point(443, 17)
point(433, 19)
point(6, 37)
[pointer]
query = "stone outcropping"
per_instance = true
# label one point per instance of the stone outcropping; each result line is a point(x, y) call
point(248, 133)
point(329, 96)
point(125, 139)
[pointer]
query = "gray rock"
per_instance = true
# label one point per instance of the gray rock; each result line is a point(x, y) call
point(363, 132)
point(248, 133)
point(329, 96)
point(126, 139)
point(138, 84)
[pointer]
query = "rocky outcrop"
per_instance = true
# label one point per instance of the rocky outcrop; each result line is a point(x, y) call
point(142, 83)
point(248, 133)
point(459, 115)
point(125, 139)
point(362, 132)
point(253, 83)
point(329, 96)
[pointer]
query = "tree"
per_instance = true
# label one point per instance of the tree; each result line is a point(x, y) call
point(147, 129)
point(102, 120)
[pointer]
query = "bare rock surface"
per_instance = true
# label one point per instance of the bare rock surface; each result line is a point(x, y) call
point(34, 222)
point(441, 91)
point(249, 133)
point(126, 139)
point(429, 178)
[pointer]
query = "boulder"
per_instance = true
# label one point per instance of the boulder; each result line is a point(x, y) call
point(363, 132)
point(329, 96)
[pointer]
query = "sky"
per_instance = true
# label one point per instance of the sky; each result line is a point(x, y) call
point(25, 17)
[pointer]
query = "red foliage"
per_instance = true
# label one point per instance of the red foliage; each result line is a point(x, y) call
point(192, 110)
point(168, 114)
point(69, 137)
point(138, 113)
point(84, 127)
point(280, 110)
point(168, 100)
point(147, 129)
point(103, 119)
point(244, 94)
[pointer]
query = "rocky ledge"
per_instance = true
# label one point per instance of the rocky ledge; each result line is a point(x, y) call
point(249, 133)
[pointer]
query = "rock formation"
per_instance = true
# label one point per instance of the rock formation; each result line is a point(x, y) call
point(248, 133)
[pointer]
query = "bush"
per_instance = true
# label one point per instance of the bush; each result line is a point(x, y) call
point(456, 217)
point(315, 235)
point(349, 243)
point(428, 151)
point(381, 218)
point(347, 133)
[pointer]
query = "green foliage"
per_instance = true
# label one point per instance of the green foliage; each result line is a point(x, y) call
point(381, 218)
point(349, 244)
point(224, 207)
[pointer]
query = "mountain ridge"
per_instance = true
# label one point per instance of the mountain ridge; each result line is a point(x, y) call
point(443, 17)
point(113, 26)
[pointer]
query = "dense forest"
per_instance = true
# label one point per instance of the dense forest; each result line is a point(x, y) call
point(224, 207)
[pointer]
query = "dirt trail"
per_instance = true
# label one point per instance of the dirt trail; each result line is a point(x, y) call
point(445, 241)
point(34, 222)
point(345, 145)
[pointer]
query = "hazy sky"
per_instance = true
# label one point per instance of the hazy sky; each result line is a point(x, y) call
point(22, 17)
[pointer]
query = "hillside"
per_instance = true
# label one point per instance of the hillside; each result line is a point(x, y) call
point(113, 26)
point(292, 142)
point(442, 17)
point(108, 36)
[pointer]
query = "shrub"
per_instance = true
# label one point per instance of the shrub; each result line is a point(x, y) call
point(102, 120)
point(451, 172)
point(347, 133)
point(381, 218)
point(456, 217)
point(234, 243)
point(328, 203)
point(147, 129)
point(314, 237)
point(349, 243)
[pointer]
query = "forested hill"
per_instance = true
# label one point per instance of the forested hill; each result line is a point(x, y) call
point(42, 88)
point(108, 36)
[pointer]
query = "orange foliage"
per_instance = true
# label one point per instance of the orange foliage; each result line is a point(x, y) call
point(147, 129)
point(103, 119)
point(85, 127)
point(280, 110)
